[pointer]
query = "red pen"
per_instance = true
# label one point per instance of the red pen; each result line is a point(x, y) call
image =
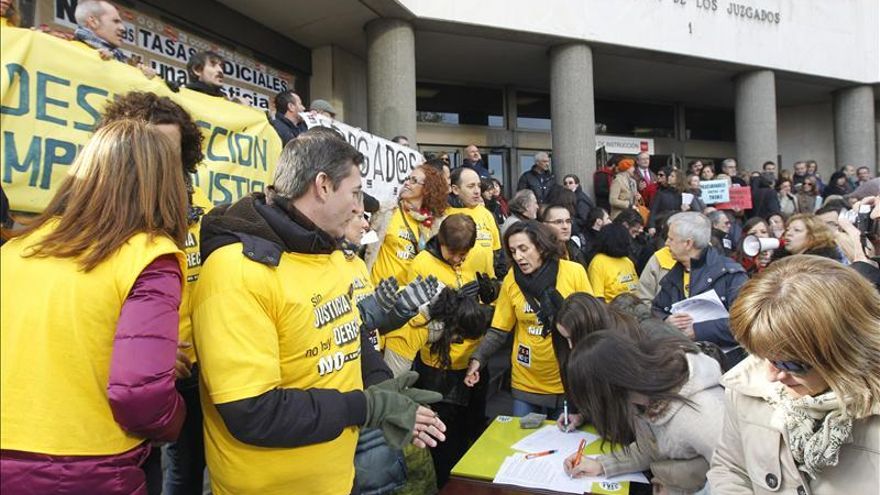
point(540, 454)
point(580, 452)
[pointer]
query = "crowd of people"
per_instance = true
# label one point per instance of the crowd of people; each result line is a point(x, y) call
point(298, 355)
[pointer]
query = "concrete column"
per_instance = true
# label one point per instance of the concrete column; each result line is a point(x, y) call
point(391, 78)
point(755, 111)
point(572, 112)
point(854, 134)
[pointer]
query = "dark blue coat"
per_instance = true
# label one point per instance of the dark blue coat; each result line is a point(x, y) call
point(710, 271)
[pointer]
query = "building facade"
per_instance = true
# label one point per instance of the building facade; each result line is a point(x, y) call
point(759, 80)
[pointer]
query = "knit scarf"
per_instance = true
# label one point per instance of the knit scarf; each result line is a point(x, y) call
point(817, 427)
point(535, 284)
point(422, 215)
point(89, 37)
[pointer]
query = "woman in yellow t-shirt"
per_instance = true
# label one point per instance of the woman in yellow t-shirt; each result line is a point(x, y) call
point(450, 256)
point(441, 347)
point(530, 296)
point(89, 293)
point(405, 228)
point(611, 271)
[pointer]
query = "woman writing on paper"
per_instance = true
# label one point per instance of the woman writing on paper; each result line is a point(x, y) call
point(660, 391)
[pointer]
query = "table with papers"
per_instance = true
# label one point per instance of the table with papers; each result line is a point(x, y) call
point(499, 456)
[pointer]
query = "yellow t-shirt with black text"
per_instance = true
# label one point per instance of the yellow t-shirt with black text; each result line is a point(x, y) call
point(533, 363)
point(611, 277)
point(193, 267)
point(362, 287)
point(258, 328)
point(399, 247)
point(413, 337)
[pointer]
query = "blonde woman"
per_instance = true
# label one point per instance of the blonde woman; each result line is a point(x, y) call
point(807, 234)
point(803, 412)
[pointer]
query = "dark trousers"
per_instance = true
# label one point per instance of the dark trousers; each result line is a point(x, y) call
point(185, 458)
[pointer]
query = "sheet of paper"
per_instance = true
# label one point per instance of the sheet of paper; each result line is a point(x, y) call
point(702, 307)
point(687, 198)
point(550, 438)
point(544, 472)
point(548, 473)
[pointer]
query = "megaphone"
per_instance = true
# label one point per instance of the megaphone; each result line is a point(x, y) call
point(752, 245)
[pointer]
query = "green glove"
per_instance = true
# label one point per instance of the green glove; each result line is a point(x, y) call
point(392, 405)
point(402, 385)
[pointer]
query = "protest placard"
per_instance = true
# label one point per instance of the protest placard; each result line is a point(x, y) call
point(740, 198)
point(714, 191)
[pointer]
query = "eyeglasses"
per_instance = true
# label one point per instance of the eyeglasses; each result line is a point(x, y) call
point(569, 183)
point(412, 180)
point(794, 367)
point(561, 221)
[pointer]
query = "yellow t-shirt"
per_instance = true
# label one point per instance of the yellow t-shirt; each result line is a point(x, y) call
point(413, 337)
point(57, 325)
point(533, 363)
point(399, 247)
point(258, 328)
point(611, 277)
point(488, 236)
point(362, 287)
point(686, 283)
point(193, 266)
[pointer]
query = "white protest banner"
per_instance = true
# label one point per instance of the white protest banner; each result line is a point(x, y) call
point(714, 191)
point(386, 164)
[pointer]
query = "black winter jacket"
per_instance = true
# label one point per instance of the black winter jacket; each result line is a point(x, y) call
point(539, 182)
point(710, 271)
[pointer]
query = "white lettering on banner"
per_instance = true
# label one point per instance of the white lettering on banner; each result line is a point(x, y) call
point(714, 191)
point(386, 164)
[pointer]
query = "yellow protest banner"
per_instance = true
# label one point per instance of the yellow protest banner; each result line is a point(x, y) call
point(52, 92)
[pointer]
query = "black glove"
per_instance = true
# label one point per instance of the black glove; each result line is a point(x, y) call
point(488, 288)
point(470, 289)
point(551, 301)
point(392, 405)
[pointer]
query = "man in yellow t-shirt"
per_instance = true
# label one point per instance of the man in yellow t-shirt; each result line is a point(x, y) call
point(278, 335)
point(468, 200)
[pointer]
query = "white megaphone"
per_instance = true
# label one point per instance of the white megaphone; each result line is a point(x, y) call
point(752, 245)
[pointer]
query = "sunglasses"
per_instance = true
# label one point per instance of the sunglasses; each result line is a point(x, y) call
point(794, 367)
point(412, 180)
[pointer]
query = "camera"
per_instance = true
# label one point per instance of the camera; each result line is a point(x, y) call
point(860, 219)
